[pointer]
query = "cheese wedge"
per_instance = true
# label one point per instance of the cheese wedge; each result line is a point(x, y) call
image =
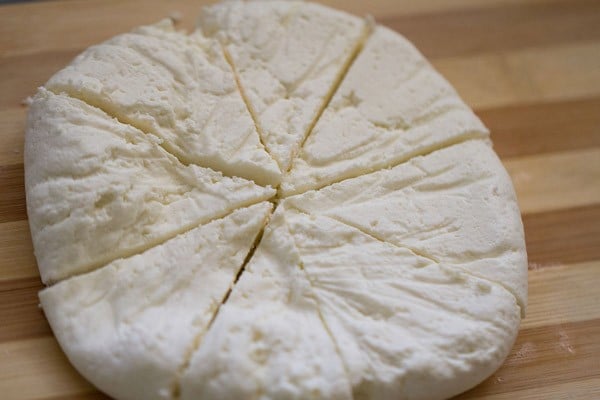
point(129, 326)
point(98, 190)
point(456, 206)
point(289, 56)
point(405, 326)
point(391, 106)
point(177, 87)
point(268, 341)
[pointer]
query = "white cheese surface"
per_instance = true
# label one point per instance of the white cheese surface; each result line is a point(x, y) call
point(391, 106)
point(177, 87)
point(406, 327)
point(268, 341)
point(98, 189)
point(128, 326)
point(456, 205)
point(288, 56)
point(288, 203)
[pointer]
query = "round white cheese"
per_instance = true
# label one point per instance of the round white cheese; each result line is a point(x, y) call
point(389, 263)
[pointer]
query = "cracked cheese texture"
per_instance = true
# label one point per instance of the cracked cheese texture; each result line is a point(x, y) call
point(268, 341)
point(288, 55)
point(128, 326)
point(456, 206)
point(177, 87)
point(98, 190)
point(391, 106)
point(406, 327)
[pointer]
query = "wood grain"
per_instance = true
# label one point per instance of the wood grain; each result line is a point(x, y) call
point(563, 294)
point(38, 369)
point(82, 396)
point(582, 389)
point(547, 355)
point(114, 16)
point(25, 73)
point(544, 127)
point(540, 74)
point(547, 182)
point(563, 236)
point(500, 27)
point(16, 252)
point(12, 126)
point(530, 68)
point(19, 312)
point(73, 27)
point(12, 195)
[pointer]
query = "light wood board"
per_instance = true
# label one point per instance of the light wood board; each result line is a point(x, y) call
point(529, 68)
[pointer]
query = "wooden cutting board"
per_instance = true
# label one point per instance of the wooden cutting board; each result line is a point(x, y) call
point(530, 69)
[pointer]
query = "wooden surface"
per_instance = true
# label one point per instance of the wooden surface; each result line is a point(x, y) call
point(530, 69)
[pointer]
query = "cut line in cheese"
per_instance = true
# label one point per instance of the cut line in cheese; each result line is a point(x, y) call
point(288, 56)
point(177, 87)
point(456, 205)
point(371, 293)
point(111, 322)
point(391, 106)
point(289, 203)
point(268, 338)
point(98, 190)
